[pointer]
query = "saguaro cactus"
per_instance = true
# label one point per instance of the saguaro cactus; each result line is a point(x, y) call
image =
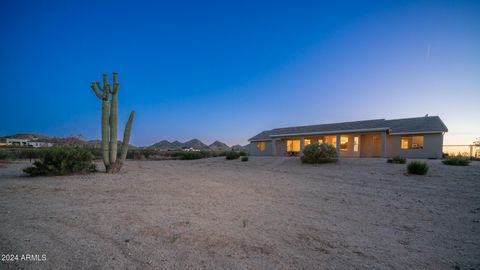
point(109, 124)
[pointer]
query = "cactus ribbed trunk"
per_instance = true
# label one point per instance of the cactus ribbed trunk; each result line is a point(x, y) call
point(109, 125)
point(113, 128)
point(105, 134)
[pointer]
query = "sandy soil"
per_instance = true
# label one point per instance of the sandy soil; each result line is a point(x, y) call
point(267, 213)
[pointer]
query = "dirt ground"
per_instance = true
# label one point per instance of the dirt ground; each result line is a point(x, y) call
point(267, 213)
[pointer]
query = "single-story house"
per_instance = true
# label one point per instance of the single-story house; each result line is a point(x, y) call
point(35, 142)
point(17, 142)
point(419, 137)
point(40, 143)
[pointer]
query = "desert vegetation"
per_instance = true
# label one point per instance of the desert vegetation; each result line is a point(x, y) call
point(319, 153)
point(232, 155)
point(397, 160)
point(62, 161)
point(417, 167)
point(109, 97)
point(456, 161)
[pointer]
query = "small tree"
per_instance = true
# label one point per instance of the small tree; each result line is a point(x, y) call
point(319, 153)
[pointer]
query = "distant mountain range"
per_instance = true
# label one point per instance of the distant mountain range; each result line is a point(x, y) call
point(161, 145)
point(195, 144)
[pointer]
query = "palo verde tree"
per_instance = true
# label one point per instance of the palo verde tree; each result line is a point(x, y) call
point(109, 97)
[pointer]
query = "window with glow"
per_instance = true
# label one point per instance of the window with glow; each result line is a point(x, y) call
point(344, 143)
point(334, 142)
point(293, 145)
point(320, 141)
point(307, 142)
point(405, 142)
point(417, 142)
point(261, 146)
point(355, 144)
point(412, 142)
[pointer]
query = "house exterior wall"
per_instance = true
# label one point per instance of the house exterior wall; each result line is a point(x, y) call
point(252, 149)
point(432, 146)
point(349, 152)
point(367, 145)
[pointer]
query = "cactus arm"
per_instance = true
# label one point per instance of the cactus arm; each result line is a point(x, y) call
point(105, 133)
point(115, 89)
point(115, 84)
point(105, 80)
point(97, 93)
point(126, 138)
point(113, 128)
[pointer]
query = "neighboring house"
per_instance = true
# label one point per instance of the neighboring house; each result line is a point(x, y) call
point(3, 141)
point(420, 137)
point(17, 142)
point(35, 142)
point(191, 149)
point(40, 143)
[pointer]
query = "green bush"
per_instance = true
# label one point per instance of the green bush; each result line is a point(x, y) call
point(417, 167)
point(189, 155)
point(319, 153)
point(232, 155)
point(243, 153)
point(62, 161)
point(457, 161)
point(397, 160)
point(32, 153)
point(244, 158)
point(4, 154)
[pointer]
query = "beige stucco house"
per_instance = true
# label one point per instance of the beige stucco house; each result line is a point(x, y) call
point(419, 137)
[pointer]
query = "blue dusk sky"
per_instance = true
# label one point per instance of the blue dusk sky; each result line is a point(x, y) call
point(227, 70)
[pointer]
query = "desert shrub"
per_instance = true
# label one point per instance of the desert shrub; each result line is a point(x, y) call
point(244, 158)
point(147, 152)
point(62, 161)
point(417, 167)
point(189, 155)
point(232, 155)
point(456, 161)
point(96, 152)
point(4, 154)
point(397, 160)
point(319, 153)
point(32, 153)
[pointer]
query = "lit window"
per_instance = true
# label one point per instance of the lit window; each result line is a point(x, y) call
point(293, 145)
point(344, 143)
point(320, 141)
point(307, 141)
point(412, 142)
point(334, 142)
point(355, 144)
point(405, 142)
point(261, 146)
point(417, 142)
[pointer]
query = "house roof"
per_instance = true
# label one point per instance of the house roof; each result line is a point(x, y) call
point(426, 124)
point(41, 141)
